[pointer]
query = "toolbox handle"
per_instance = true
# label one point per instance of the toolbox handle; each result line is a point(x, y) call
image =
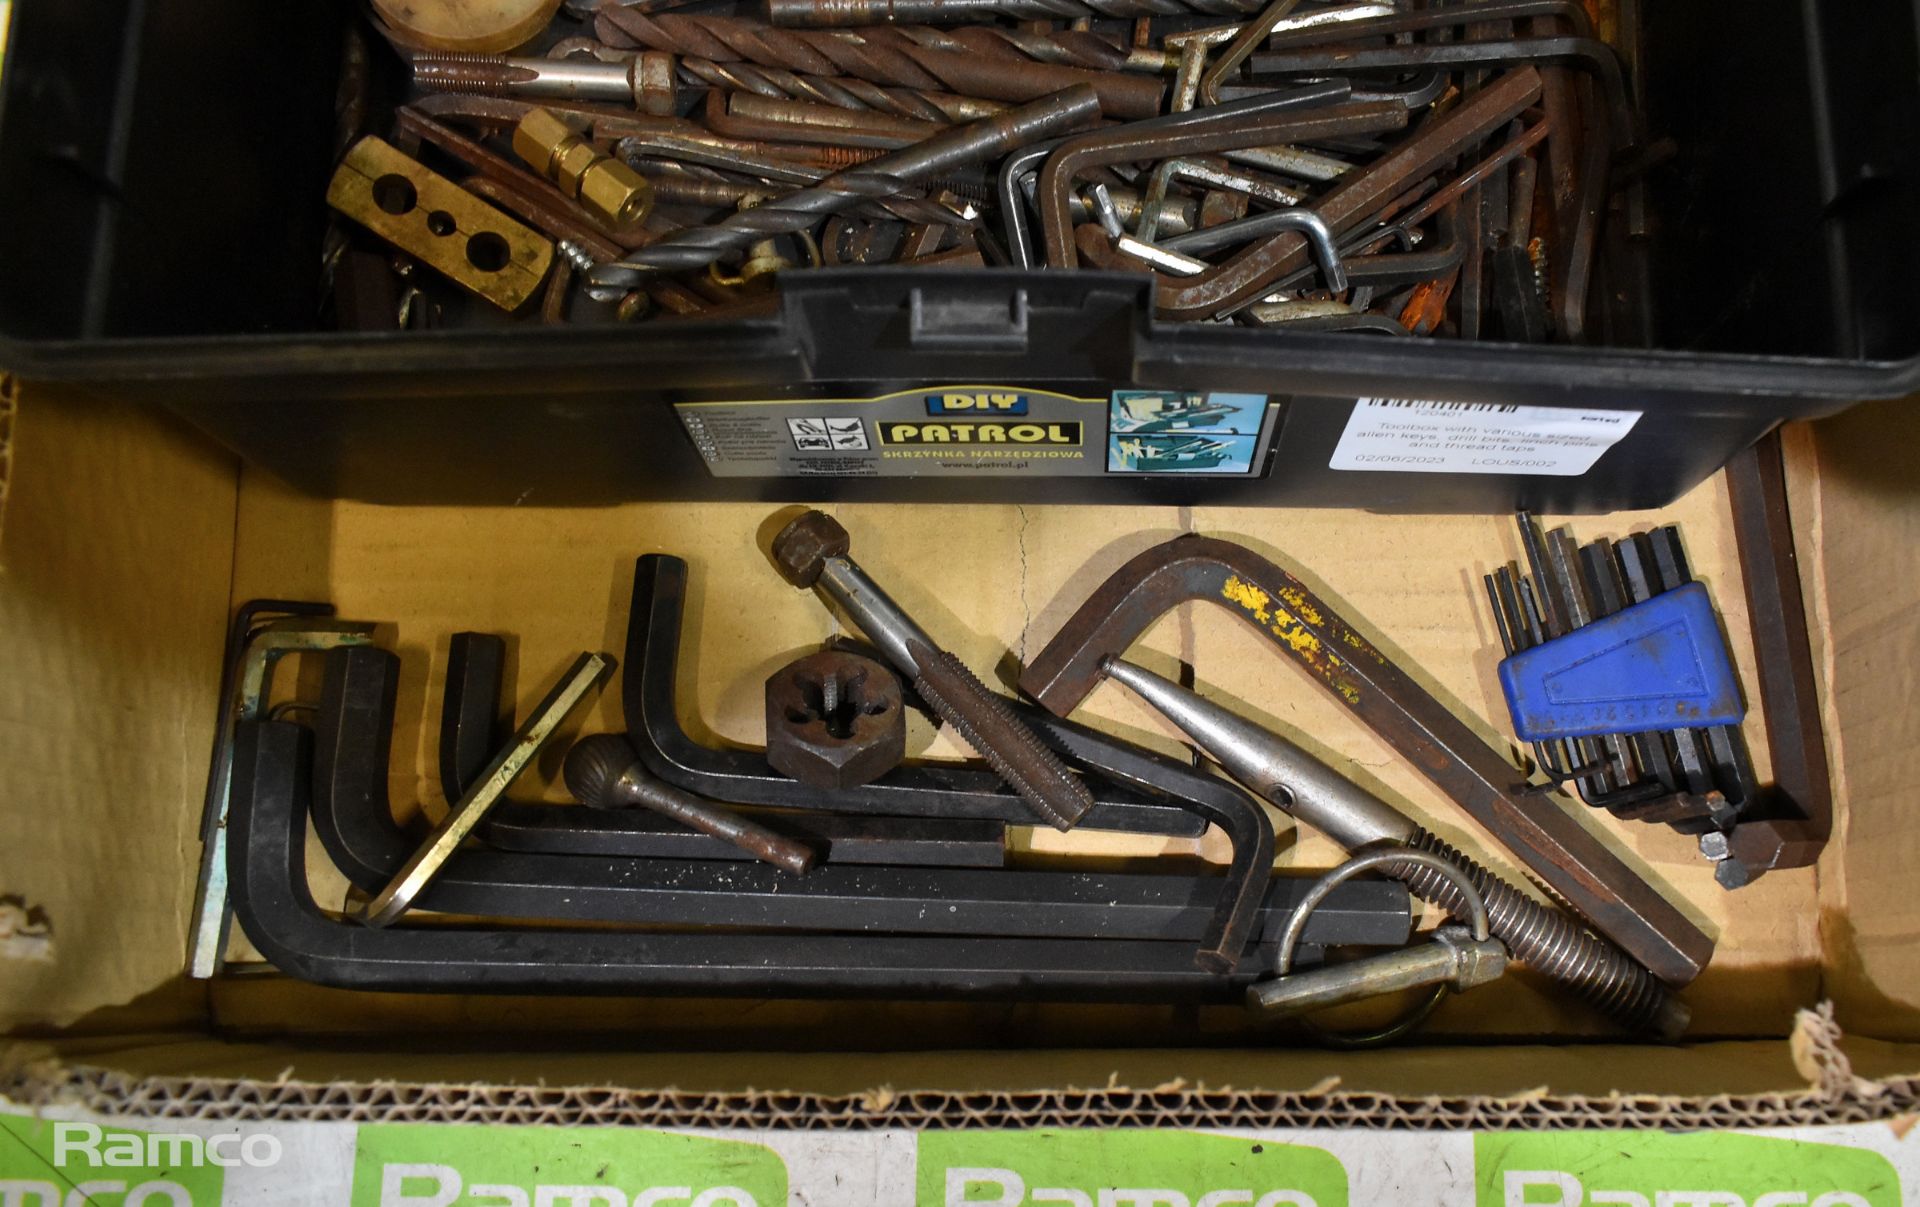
point(869, 324)
point(993, 320)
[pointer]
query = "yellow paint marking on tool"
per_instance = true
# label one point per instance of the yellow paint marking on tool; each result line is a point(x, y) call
point(1297, 600)
point(1290, 631)
point(1246, 596)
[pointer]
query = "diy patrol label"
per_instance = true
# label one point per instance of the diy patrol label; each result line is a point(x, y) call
point(985, 430)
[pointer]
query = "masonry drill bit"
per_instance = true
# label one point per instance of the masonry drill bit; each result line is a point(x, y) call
point(878, 179)
point(886, 58)
point(811, 552)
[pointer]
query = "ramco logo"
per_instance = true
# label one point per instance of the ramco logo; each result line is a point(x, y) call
point(431, 1185)
point(976, 404)
point(1654, 1169)
point(89, 1145)
point(1123, 1169)
point(422, 1165)
point(60, 1164)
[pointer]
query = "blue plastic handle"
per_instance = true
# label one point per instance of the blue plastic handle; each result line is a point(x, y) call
point(1661, 664)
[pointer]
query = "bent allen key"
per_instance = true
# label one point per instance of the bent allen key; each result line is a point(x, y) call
point(1551, 843)
point(1201, 132)
point(1359, 195)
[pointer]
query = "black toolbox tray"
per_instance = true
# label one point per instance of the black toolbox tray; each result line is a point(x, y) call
point(162, 169)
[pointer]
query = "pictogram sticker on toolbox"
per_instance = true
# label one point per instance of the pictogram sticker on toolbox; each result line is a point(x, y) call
point(820, 433)
point(987, 431)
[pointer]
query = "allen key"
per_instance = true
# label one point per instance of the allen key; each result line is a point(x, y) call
point(355, 824)
point(742, 776)
point(1364, 192)
point(1550, 842)
point(473, 723)
point(246, 680)
point(274, 905)
point(1200, 131)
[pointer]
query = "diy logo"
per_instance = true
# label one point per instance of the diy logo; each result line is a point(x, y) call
point(51, 1164)
point(424, 1165)
point(978, 403)
point(1654, 1169)
point(1123, 1169)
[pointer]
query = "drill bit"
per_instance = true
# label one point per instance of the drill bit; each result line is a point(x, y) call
point(880, 178)
point(829, 13)
point(843, 92)
point(884, 58)
point(1066, 47)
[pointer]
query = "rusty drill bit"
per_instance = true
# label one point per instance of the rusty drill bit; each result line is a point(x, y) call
point(842, 92)
point(884, 177)
point(821, 14)
point(1066, 47)
point(811, 552)
point(888, 59)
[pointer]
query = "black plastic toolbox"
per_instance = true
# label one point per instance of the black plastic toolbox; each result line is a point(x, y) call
point(162, 169)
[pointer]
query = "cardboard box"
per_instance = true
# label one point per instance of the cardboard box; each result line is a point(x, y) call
point(127, 540)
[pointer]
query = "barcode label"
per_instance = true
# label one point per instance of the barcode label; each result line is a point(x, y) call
point(1491, 408)
point(1412, 435)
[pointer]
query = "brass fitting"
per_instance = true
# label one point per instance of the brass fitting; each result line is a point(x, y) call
point(612, 192)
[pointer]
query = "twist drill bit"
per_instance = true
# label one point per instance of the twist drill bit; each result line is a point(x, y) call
point(1066, 48)
point(842, 92)
point(820, 14)
point(811, 552)
point(878, 179)
point(884, 59)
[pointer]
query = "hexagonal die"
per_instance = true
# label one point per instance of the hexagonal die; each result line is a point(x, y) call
point(835, 720)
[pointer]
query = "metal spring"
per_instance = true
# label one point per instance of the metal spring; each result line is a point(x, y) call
point(1547, 940)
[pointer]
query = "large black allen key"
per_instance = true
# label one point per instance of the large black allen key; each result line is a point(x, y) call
point(274, 905)
point(474, 721)
point(742, 777)
point(477, 666)
point(355, 823)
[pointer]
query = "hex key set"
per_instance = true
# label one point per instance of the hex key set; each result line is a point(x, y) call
point(827, 863)
point(913, 903)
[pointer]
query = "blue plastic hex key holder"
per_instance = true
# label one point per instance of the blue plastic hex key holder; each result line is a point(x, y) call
point(1660, 664)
